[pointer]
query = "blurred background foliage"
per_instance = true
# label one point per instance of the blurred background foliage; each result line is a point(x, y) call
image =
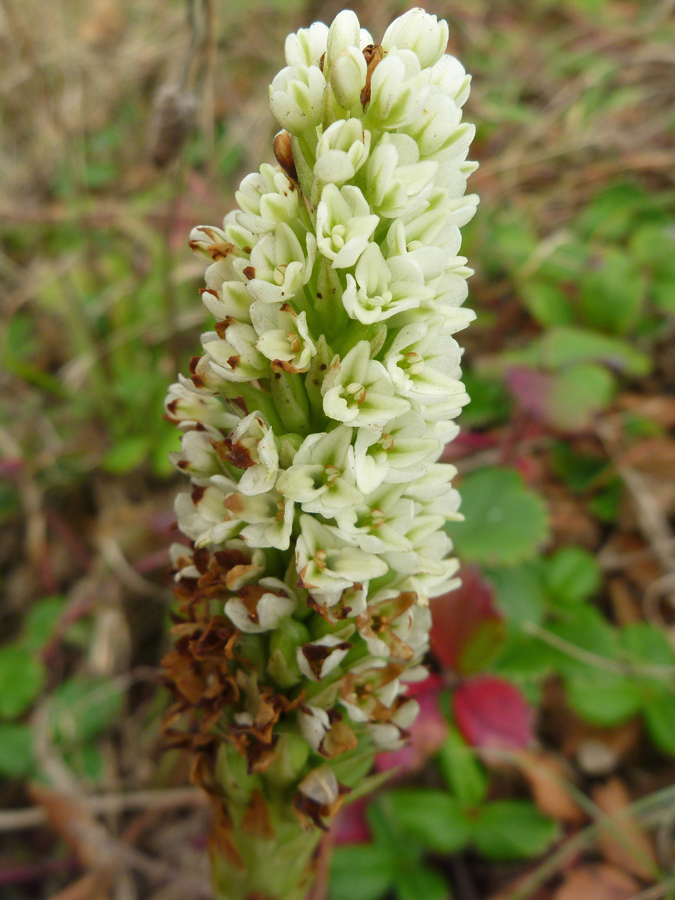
point(548, 725)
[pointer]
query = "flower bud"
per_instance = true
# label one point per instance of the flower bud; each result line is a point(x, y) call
point(344, 33)
point(348, 77)
point(416, 30)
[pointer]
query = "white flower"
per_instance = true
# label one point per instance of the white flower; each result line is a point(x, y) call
point(342, 150)
point(391, 735)
point(398, 91)
point(266, 198)
point(234, 357)
point(348, 77)
point(268, 518)
point(393, 452)
point(290, 344)
point(437, 129)
point(306, 46)
point(344, 224)
point(321, 478)
point(382, 288)
point(296, 98)
point(251, 446)
point(450, 77)
point(314, 723)
point(203, 518)
point(424, 362)
point(280, 266)
point(321, 657)
point(198, 457)
point(327, 566)
point(230, 300)
point(186, 407)
point(379, 523)
point(416, 30)
point(261, 607)
point(358, 391)
point(395, 175)
point(394, 624)
point(345, 32)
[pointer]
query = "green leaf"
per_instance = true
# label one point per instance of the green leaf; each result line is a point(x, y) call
point(505, 522)
point(490, 401)
point(577, 393)
point(563, 346)
point(16, 751)
point(22, 677)
point(387, 831)
point(547, 304)
point(41, 621)
point(612, 213)
point(607, 503)
point(579, 471)
point(519, 593)
point(585, 629)
point(82, 708)
point(512, 829)
point(612, 294)
point(433, 818)
point(361, 872)
point(603, 698)
point(646, 643)
point(525, 658)
point(421, 882)
point(659, 713)
point(572, 575)
point(663, 291)
point(461, 771)
point(127, 454)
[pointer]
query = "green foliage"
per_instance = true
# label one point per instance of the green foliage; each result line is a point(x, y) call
point(22, 677)
point(393, 862)
point(461, 771)
point(16, 750)
point(505, 521)
point(408, 822)
point(506, 830)
point(610, 674)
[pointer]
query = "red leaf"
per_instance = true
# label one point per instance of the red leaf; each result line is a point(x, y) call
point(491, 712)
point(350, 826)
point(532, 389)
point(467, 629)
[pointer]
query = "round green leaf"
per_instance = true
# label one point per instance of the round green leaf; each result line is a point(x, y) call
point(518, 594)
point(512, 829)
point(603, 698)
point(433, 818)
point(505, 522)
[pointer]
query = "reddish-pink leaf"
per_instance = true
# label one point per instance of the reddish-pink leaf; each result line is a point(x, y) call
point(491, 712)
point(467, 629)
point(350, 826)
point(532, 389)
